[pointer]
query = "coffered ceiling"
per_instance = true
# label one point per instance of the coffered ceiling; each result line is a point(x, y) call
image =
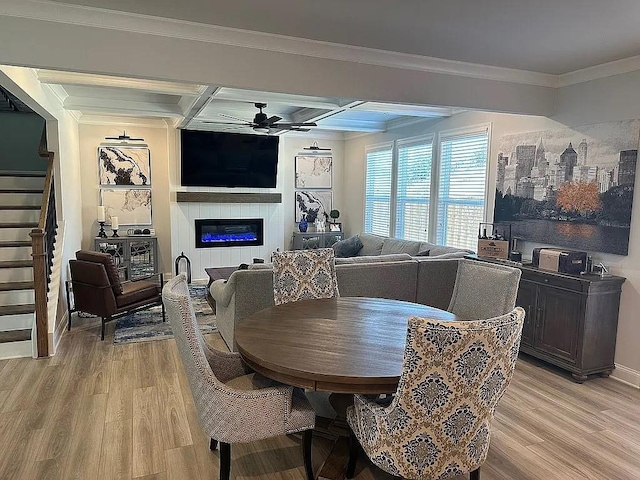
point(217, 108)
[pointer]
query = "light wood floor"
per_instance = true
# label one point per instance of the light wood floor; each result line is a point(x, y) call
point(101, 411)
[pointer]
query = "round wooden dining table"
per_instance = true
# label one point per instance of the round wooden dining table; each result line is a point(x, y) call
point(338, 345)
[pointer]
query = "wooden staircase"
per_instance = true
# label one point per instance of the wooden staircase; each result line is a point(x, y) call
point(20, 204)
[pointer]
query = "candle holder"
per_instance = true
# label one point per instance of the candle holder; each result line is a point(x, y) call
point(115, 233)
point(102, 233)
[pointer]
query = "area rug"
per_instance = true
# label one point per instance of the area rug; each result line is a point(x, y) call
point(147, 324)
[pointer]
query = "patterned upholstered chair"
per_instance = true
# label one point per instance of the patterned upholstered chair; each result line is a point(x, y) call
point(438, 423)
point(304, 274)
point(233, 404)
point(484, 290)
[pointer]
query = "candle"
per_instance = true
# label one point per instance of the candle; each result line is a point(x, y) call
point(101, 213)
point(114, 223)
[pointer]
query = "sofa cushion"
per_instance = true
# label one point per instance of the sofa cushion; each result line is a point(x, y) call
point(437, 250)
point(396, 245)
point(395, 257)
point(371, 244)
point(349, 247)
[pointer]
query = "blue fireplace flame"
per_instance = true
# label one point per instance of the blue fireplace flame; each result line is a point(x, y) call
point(229, 237)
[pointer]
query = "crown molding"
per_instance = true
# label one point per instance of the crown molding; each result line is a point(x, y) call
point(180, 29)
point(617, 67)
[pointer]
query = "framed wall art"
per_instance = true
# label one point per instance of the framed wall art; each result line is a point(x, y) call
point(124, 165)
point(132, 206)
point(570, 187)
point(313, 204)
point(313, 171)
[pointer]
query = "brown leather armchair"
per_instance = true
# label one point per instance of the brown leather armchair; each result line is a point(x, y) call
point(97, 288)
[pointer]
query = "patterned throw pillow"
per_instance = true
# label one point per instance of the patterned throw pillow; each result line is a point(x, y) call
point(348, 247)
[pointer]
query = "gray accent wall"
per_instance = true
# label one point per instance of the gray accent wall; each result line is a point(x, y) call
point(20, 135)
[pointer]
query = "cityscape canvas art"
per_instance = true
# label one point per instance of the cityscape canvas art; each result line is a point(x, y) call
point(570, 187)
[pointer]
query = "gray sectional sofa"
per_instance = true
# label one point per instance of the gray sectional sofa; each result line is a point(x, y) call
point(386, 269)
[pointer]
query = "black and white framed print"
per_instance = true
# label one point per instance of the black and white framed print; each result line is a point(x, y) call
point(124, 165)
point(313, 171)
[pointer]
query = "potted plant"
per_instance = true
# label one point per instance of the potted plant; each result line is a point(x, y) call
point(334, 214)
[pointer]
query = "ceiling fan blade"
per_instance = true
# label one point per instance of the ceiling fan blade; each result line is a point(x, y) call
point(234, 118)
point(295, 129)
point(243, 124)
point(293, 125)
point(273, 119)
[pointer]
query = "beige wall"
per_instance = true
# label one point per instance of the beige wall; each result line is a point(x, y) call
point(90, 138)
point(605, 100)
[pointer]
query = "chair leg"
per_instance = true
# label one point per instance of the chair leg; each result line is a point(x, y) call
point(164, 319)
point(213, 445)
point(225, 460)
point(354, 450)
point(307, 436)
point(475, 475)
point(102, 332)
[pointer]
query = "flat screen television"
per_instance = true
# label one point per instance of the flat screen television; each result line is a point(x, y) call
point(215, 159)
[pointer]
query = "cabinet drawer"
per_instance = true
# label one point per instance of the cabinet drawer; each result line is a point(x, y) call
point(553, 280)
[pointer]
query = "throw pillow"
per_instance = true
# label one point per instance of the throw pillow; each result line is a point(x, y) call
point(423, 253)
point(349, 247)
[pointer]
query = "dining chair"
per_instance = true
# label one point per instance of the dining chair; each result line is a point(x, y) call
point(438, 422)
point(234, 405)
point(304, 274)
point(484, 290)
point(98, 290)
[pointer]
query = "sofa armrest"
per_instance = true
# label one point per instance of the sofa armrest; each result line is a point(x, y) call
point(221, 292)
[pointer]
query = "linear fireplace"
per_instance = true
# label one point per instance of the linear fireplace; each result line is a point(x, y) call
point(237, 232)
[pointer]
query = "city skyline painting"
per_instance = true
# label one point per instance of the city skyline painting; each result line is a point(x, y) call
point(570, 187)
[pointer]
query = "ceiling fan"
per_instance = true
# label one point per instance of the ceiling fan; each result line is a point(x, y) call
point(262, 123)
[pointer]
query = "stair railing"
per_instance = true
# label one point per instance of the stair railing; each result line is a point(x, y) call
point(43, 240)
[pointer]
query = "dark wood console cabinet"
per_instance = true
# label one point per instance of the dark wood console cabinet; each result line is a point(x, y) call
point(571, 320)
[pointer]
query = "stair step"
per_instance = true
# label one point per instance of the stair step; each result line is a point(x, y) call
point(16, 264)
point(17, 309)
point(21, 190)
point(15, 336)
point(20, 207)
point(19, 225)
point(17, 243)
point(8, 286)
point(23, 174)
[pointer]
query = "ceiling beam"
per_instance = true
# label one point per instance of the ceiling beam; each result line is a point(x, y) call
point(102, 106)
point(252, 96)
point(92, 80)
point(406, 110)
point(197, 106)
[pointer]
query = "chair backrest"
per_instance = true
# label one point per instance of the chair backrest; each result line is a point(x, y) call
point(109, 265)
point(453, 375)
point(304, 274)
point(92, 288)
point(484, 290)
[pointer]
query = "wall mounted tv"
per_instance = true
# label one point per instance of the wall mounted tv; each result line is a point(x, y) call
point(215, 159)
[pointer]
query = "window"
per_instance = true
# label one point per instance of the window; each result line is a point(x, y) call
point(461, 189)
point(378, 183)
point(412, 194)
point(413, 186)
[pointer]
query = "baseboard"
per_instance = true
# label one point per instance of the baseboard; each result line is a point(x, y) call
point(626, 375)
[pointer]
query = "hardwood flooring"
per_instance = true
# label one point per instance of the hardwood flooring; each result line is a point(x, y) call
point(102, 411)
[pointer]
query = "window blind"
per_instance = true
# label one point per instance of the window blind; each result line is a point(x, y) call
point(461, 189)
point(413, 187)
point(377, 217)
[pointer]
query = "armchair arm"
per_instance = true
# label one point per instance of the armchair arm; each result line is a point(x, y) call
point(227, 365)
point(222, 292)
